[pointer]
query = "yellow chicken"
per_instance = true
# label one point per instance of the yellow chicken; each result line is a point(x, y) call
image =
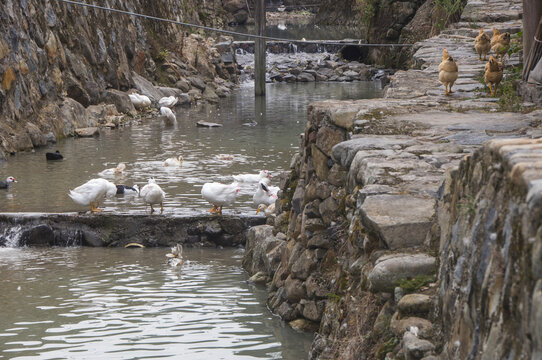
point(447, 72)
point(493, 74)
point(501, 44)
point(445, 54)
point(482, 45)
point(496, 34)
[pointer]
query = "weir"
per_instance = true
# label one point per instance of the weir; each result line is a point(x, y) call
point(115, 230)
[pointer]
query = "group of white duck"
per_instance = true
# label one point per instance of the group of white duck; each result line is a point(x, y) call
point(217, 194)
point(165, 104)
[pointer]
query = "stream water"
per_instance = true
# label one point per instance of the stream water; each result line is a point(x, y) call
point(89, 303)
point(261, 135)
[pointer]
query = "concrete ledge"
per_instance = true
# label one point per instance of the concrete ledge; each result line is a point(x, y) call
point(67, 229)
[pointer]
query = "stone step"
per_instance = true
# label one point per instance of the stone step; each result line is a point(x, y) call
point(389, 270)
point(492, 11)
point(401, 221)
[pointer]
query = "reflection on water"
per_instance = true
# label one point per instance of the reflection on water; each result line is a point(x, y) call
point(83, 303)
point(259, 136)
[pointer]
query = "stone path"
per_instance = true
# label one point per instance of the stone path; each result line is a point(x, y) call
point(379, 166)
point(403, 145)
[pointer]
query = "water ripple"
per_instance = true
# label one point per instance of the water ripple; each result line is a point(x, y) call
point(121, 304)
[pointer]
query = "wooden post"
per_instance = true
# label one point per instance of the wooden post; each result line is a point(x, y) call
point(532, 13)
point(259, 49)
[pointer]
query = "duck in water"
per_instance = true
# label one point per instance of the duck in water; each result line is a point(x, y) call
point(7, 183)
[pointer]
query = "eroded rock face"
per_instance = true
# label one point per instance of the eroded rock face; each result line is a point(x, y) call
point(59, 53)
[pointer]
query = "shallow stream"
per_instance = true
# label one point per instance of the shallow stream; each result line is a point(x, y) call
point(94, 303)
point(261, 135)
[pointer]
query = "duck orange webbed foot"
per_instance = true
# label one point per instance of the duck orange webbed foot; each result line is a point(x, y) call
point(214, 210)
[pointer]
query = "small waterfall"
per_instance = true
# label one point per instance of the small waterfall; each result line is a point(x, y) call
point(11, 236)
point(292, 48)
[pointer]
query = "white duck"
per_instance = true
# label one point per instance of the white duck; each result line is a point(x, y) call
point(168, 114)
point(169, 101)
point(140, 101)
point(268, 210)
point(252, 178)
point(265, 194)
point(174, 161)
point(219, 195)
point(119, 170)
point(152, 193)
point(91, 192)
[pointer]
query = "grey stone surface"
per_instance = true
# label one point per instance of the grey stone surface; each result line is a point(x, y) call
point(389, 270)
point(414, 304)
point(414, 348)
point(401, 221)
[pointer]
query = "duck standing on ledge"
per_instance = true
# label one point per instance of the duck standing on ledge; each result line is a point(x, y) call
point(91, 192)
point(54, 156)
point(9, 180)
point(265, 194)
point(152, 193)
point(219, 195)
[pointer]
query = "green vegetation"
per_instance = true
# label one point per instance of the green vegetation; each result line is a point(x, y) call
point(468, 205)
point(161, 56)
point(410, 285)
point(450, 10)
point(334, 297)
point(368, 9)
point(386, 347)
point(516, 43)
point(509, 99)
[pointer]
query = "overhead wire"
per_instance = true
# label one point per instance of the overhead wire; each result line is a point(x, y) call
point(230, 32)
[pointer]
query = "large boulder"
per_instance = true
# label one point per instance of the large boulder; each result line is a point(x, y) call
point(263, 250)
point(145, 87)
point(121, 100)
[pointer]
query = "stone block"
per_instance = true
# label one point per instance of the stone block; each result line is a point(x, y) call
point(389, 270)
point(414, 304)
point(401, 221)
point(414, 348)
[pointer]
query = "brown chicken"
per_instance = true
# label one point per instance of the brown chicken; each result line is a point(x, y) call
point(445, 54)
point(447, 72)
point(482, 45)
point(493, 74)
point(496, 34)
point(500, 44)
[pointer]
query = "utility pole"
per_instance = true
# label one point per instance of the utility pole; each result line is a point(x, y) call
point(259, 49)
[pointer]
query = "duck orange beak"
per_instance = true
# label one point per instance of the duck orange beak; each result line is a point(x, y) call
point(257, 211)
